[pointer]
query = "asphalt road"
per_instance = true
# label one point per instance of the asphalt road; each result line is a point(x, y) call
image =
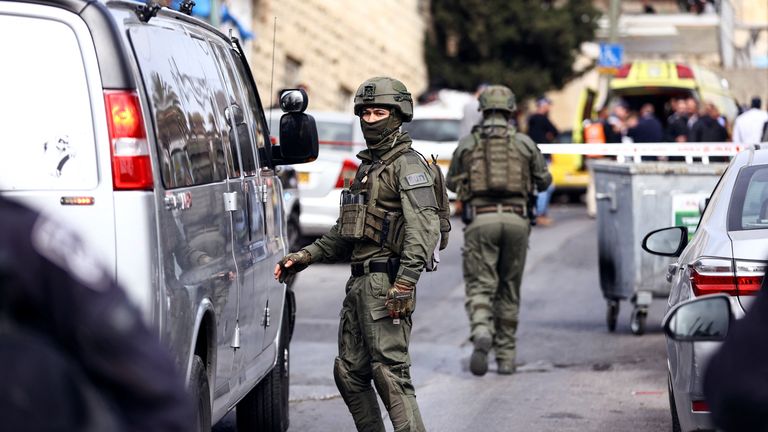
point(573, 375)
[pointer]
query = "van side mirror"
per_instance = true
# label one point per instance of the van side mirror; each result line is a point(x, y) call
point(668, 242)
point(298, 140)
point(705, 318)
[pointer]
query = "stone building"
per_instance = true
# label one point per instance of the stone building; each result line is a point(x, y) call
point(330, 47)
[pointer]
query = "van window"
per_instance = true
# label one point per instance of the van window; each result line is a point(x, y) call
point(749, 204)
point(187, 100)
point(48, 139)
point(440, 130)
point(237, 125)
point(257, 113)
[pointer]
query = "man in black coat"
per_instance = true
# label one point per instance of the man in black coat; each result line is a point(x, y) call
point(75, 353)
point(708, 128)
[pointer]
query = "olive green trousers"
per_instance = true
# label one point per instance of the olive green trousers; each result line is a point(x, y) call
point(374, 348)
point(495, 247)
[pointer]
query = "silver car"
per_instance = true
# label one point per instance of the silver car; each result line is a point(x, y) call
point(141, 128)
point(727, 254)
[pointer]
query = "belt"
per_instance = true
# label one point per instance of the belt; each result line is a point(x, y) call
point(501, 208)
point(363, 268)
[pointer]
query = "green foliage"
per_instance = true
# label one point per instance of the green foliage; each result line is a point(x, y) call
point(527, 45)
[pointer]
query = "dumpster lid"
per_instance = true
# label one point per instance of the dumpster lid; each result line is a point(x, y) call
point(658, 168)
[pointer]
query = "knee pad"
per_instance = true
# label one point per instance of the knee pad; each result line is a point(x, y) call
point(347, 382)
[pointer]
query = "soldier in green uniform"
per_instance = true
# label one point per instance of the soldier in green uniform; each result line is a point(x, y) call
point(492, 171)
point(388, 227)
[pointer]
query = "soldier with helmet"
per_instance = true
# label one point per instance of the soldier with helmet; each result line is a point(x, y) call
point(388, 227)
point(492, 172)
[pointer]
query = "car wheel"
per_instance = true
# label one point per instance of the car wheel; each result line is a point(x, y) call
point(672, 406)
point(201, 395)
point(637, 323)
point(265, 407)
point(611, 314)
point(294, 231)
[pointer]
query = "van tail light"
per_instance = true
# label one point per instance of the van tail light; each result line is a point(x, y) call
point(699, 406)
point(716, 275)
point(131, 167)
point(684, 72)
point(348, 171)
point(623, 71)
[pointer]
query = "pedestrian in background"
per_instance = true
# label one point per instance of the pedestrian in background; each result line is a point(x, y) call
point(75, 353)
point(492, 172)
point(542, 131)
point(677, 123)
point(648, 128)
point(748, 127)
point(470, 112)
point(708, 127)
point(392, 188)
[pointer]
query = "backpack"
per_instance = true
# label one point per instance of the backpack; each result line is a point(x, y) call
point(497, 167)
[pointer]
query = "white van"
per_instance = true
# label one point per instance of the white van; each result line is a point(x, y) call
point(142, 128)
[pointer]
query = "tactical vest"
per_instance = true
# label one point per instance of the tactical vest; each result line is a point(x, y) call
point(361, 217)
point(497, 166)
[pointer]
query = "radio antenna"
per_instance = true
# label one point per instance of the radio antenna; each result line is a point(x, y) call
point(272, 78)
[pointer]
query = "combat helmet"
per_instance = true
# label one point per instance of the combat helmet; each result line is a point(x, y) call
point(497, 97)
point(384, 91)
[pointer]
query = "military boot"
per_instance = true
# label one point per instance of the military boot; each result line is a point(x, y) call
point(478, 362)
point(505, 368)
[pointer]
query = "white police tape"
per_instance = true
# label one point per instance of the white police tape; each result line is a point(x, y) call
point(636, 150)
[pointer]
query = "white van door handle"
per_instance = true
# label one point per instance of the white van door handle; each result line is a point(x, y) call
point(230, 201)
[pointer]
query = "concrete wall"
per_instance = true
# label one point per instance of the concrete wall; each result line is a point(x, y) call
point(332, 46)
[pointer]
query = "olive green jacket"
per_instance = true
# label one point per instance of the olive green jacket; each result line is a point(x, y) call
point(405, 186)
point(456, 182)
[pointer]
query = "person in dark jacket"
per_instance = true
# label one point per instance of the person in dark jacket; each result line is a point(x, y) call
point(648, 129)
point(76, 353)
point(708, 128)
point(677, 123)
point(736, 378)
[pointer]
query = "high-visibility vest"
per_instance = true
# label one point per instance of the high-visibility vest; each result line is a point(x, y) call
point(594, 133)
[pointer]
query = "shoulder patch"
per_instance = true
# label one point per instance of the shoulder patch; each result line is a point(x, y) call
point(416, 179)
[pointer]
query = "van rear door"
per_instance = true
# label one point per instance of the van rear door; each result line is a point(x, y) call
point(55, 145)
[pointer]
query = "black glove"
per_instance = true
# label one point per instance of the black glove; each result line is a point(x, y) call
point(299, 261)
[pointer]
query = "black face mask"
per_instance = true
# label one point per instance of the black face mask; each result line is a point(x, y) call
point(375, 133)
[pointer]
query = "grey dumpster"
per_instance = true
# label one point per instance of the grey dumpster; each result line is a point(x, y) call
point(632, 200)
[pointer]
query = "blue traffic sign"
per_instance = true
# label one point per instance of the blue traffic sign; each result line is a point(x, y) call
point(611, 55)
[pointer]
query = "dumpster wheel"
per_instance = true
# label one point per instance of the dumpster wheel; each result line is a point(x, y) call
point(637, 322)
point(611, 314)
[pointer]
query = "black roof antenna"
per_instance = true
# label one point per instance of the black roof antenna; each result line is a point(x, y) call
point(148, 10)
point(186, 7)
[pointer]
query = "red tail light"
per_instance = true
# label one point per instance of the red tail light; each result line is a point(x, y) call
point(684, 72)
point(699, 406)
point(131, 167)
point(623, 71)
point(348, 170)
point(716, 275)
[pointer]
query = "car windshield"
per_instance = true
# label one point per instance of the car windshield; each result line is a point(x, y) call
point(334, 133)
point(442, 130)
point(749, 205)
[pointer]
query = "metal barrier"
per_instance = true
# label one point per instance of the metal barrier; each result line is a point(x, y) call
point(636, 150)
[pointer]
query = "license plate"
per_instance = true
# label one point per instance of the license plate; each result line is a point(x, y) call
point(303, 177)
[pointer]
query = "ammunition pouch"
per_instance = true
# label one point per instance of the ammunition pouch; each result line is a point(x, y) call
point(361, 220)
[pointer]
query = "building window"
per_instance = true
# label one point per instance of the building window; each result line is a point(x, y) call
point(292, 71)
point(344, 99)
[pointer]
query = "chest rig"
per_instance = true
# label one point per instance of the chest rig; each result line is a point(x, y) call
point(362, 216)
